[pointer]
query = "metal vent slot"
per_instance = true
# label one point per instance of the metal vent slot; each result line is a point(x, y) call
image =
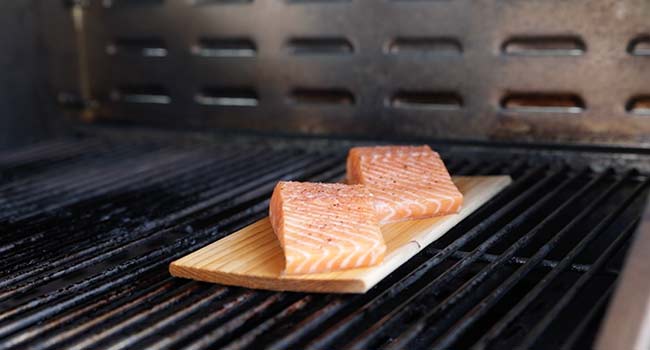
point(639, 46)
point(130, 3)
point(147, 47)
point(424, 46)
point(542, 102)
point(320, 46)
point(236, 47)
point(144, 94)
point(220, 2)
point(426, 100)
point(544, 46)
point(639, 105)
point(322, 96)
point(216, 96)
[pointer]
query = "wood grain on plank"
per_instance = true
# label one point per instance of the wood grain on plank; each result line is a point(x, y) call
point(252, 257)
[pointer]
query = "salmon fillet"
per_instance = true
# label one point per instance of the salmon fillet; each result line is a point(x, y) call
point(325, 227)
point(407, 182)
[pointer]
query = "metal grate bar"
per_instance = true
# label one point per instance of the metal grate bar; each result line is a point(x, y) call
point(70, 172)
point(250, 336)
point(565, 262)
point(397, 319)
point(78, 187)
point(268, 323)
point(155, 326)
point(99, 205)
point(235, 175)
point(158, 303)
point(271, 306)
point(101, 277)
point(113, 304)
point(149, 202)
point(552, 314)
point(298, 165)
point(517, 260)
point(87, 258)
point(195, 306)
point(100, 211)
point(579, 331)
point(82, 190)
point(316, 170)
point(46, 152)
point(170, 319)
point(503, 287)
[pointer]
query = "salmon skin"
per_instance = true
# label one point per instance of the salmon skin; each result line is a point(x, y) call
point(408, 182)
point(325, 227)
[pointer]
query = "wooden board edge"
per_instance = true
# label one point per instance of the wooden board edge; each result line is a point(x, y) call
point(350, 286)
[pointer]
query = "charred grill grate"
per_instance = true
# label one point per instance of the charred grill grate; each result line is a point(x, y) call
point(88, 229)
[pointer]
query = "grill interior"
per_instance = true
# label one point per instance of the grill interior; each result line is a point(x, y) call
point(524, 71)
point(88, 227)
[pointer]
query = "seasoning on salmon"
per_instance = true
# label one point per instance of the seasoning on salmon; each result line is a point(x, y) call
point(325, 227)
point(407, 182)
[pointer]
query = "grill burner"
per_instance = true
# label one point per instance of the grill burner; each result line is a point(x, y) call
point(87, 229)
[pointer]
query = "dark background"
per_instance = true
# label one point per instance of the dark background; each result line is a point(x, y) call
point(28, 111)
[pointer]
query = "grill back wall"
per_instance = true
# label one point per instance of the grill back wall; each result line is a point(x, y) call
point(488, 70)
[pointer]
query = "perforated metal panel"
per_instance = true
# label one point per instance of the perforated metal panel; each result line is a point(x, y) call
point(532, 70)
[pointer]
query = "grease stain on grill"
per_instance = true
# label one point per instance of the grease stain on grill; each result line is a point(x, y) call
point(131, 3)
point(544, 46)
point(434, 100)
point(227, 97)
point(320, 46)
point(639, 46)
point(147, 47)
point(638, 105)
point(424, 46)
point(543, 103)
point(333, 96)
point(141, 94)
point(217, 47)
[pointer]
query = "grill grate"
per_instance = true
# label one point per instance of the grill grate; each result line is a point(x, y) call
point(88, 228)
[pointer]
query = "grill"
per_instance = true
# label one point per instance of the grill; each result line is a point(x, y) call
point(163, 126)
point(89, 227)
